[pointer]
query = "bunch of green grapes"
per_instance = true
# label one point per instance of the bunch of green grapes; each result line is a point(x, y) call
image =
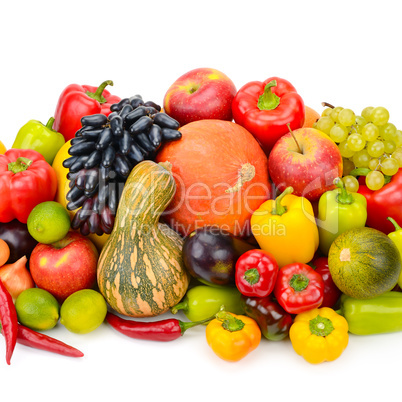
point(368, 141)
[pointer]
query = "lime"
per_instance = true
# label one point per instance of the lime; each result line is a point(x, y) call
point(83, 311)
point(48, 222)
point(37, 309)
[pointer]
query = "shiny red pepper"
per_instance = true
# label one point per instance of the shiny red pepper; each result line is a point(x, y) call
point(9, 321)
point(299, 288)
point(255, 273)
point(331, 292)
point(77, 101)
point(272, 319)
point(163, 330)
point(266, 108)
point(26, 179)
point(384, 203)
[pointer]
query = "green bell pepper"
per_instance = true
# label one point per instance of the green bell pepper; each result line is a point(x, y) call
point(379, 315)
point(43, 139)
point(203, 301)
point(338, 211)
point(396, 237)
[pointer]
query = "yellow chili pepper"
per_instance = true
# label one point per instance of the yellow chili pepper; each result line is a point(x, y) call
point(286, 228)
point(319, 335)
point(232, 336)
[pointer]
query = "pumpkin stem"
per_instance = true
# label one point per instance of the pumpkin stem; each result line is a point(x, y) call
point(246, 173)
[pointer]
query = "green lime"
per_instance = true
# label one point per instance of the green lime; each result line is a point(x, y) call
point(37, 309)
point(83, 311)
point(48, 222)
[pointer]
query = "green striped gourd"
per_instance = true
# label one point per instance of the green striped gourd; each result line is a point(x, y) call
point(140, 270)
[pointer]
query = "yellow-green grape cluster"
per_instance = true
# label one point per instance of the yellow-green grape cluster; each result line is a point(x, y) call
point(368, 140)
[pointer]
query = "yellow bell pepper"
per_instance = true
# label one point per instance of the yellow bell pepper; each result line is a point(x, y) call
point(286, 228)
point(3, 148)
point(232, 336)
point(319, 335)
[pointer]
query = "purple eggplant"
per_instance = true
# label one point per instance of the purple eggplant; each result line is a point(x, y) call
point(16, 235)
point(210, 255)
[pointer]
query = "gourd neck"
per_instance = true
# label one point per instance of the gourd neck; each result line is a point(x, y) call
point(146, 195)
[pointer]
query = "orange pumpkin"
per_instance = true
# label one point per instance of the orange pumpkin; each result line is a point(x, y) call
point(221, 176)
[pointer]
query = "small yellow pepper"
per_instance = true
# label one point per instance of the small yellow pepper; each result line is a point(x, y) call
point(232, 336)
point(319, 335)
point(396, 237)
point(286, 228)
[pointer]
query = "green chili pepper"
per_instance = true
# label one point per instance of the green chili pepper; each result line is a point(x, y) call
point(43, 139)
point(379, 315)
point(203, 301)
point(338, 211)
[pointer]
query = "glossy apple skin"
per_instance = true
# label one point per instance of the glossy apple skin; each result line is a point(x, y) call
point(310, 172)
point(202, 93)
point(66, 266)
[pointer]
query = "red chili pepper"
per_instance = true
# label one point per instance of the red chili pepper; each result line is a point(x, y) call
point(77, 101)
point(299, 288)
point(9, 321)
point(266, 108)
point(26, 179)
point(255, 273)
point(37, 340)
point(163, 330)
point(331, 291)
point(384, 203)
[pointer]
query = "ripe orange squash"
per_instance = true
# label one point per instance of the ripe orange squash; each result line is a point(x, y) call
point(221, 176)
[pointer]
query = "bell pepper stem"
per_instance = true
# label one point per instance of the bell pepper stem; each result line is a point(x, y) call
point(279, 208)
point(183, 305)
point(321, 326)
point(229, 322)
point(299, 282)
point(49, 123)
point(252, 276)
point(343, 197)
point(397, 227)
point(268, 100)
point(19, 165)
point(98, 94)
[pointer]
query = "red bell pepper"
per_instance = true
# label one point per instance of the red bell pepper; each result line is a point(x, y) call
point(299, 288)
point(266, 108)
point(331, 291)
point(77, 101)
point(384, 203)
point(255, 273)
point(26, 179)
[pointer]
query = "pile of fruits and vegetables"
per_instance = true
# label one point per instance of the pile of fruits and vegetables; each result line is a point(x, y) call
point(243, 211)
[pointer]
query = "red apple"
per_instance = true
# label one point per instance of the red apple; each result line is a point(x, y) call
point(307, 160)
point(65, 266)
point(203, 93)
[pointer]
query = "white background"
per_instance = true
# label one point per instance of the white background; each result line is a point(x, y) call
point(347, 53)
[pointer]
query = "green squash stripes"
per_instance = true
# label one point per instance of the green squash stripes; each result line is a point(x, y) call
point(140, 269)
